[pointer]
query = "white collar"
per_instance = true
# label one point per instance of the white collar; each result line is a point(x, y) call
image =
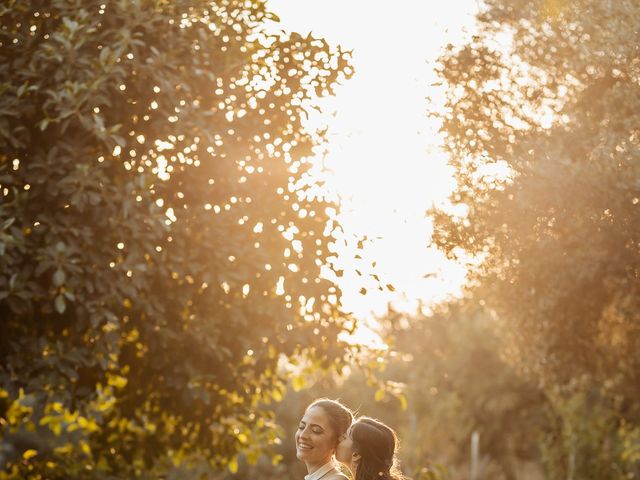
point(321, 472)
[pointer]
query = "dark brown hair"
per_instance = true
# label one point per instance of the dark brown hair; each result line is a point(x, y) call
point(340, 417)
point(376, 444)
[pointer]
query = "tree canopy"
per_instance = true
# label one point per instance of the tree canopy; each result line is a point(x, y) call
point(541, 122)
point(161, 236)
point(546, 146)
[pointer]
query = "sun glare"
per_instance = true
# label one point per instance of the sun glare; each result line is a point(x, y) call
point(365, 334)
point(383, 156)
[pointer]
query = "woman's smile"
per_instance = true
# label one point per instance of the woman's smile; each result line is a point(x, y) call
point(304, 446)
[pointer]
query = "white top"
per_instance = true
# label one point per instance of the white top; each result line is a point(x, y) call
point(321, 472)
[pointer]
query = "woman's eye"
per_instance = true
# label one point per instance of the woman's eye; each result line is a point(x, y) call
point(317, 430)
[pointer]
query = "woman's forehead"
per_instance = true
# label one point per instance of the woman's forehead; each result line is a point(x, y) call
point(316, 415)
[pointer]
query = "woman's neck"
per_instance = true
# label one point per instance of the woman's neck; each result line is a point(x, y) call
point(312, 467)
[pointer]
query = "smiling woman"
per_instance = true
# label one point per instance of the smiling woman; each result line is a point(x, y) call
point(321, 428)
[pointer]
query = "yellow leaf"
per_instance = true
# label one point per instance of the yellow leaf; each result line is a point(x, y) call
point(29, 454)
point(84, 446)
point(64, 449)
point(379, 394)
point(117, 381)
point(150, 427)
point(177, 457)
point(277, 396)
point(253, 456)
point(87, 424)
point(298, 383)
point(233, 465)
point(133, 335)
point(46, 420)
point(56, 428)
point(70, 417)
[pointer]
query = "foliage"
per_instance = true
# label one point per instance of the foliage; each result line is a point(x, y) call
point(541, 122)
point(161, 238)
point(588, 440)
point(432, 473)
point(457, 384)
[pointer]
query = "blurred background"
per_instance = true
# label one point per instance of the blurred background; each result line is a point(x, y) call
point(213, 213)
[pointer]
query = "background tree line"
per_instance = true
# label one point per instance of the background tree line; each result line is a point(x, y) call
point(542, 129)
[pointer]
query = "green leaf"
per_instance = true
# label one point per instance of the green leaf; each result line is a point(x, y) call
point(7, 223)
point(60, 304)
point(58, 277)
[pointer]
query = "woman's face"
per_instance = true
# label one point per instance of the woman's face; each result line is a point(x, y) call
point(315, 439)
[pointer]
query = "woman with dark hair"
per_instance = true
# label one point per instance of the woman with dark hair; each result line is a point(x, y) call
point(369, 450)
point(323, 426)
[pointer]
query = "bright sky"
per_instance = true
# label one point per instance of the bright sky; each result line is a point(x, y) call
point(383, 150)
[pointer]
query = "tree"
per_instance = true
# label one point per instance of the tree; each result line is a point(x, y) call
point(457, 384)
point(541, 122)
point(161, 234)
